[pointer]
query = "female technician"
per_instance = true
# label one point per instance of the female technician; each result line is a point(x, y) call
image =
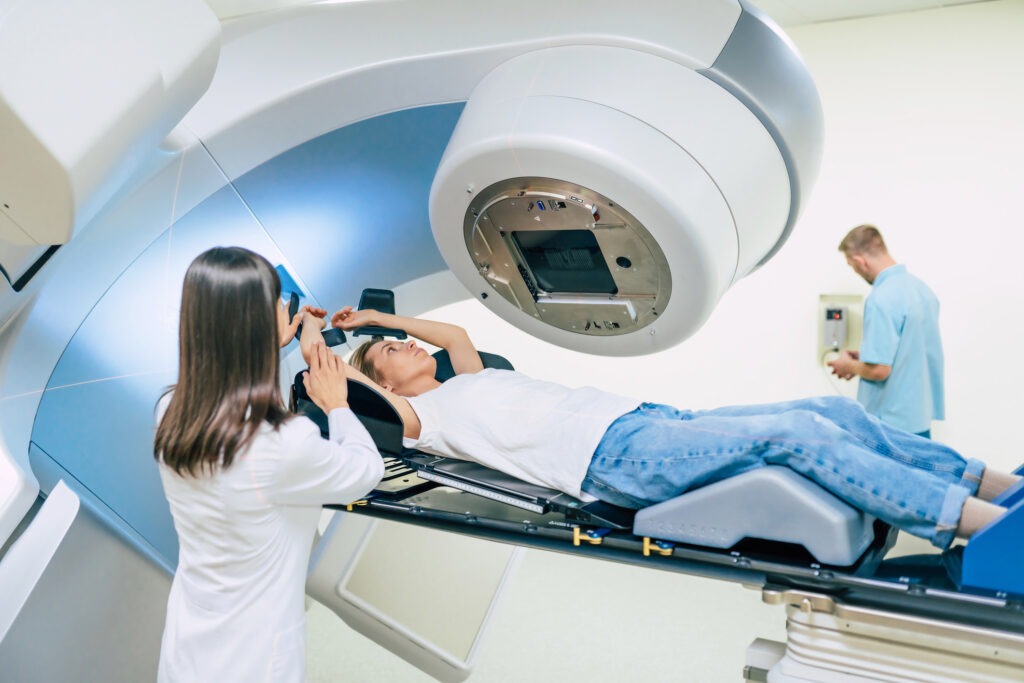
point(245, 480)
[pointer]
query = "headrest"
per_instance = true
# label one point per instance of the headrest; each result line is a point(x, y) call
point(445, 371)
point(373, 410)
point(383, 301)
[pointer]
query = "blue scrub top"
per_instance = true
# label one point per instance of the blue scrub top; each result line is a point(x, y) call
point(901, 329)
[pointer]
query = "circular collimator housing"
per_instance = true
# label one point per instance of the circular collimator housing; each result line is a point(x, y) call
point(567, 255)
point(673, 188)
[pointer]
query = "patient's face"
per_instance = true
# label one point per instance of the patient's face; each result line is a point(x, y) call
point(401, 364)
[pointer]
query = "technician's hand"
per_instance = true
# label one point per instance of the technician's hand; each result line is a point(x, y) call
point(844, 366)
point(286, 329)
point(326, 382)
point(348, 319)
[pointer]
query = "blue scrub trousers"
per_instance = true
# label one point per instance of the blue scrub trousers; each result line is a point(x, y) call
point(658, 452)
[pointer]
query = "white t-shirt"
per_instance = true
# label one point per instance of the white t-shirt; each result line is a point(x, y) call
point(537, 431)
point(236, 608)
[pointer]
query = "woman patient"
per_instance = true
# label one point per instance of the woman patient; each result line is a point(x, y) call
point(588, 442)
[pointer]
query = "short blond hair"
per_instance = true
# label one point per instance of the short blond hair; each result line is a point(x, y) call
point(864, 239)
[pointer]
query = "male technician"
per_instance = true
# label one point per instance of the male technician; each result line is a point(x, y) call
point(900, 358)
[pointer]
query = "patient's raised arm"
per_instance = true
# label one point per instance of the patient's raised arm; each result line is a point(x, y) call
point(312, 336)
point(454, 339)
point(312, 332)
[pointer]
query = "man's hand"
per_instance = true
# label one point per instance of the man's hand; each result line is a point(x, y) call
point(326, 382)
point(349, 319)
point(845, 366)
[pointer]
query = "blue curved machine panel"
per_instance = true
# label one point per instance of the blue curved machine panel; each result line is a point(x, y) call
point(347, 193)
point(343, 193)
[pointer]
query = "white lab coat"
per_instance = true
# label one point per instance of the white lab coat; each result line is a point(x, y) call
point(236, 608)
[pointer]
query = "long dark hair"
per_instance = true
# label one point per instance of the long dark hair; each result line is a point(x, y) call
point(228, 362)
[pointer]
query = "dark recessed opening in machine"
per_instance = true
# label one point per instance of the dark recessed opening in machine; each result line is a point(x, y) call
point(567, 261)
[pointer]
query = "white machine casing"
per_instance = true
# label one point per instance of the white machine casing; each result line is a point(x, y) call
point(662, 146)
point(76, 126)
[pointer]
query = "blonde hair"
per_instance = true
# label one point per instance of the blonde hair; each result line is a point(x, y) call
point(360, 362)
point(864, 239)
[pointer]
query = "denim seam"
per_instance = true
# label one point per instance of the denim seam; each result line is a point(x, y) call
point(839, 482)
point(888, 451)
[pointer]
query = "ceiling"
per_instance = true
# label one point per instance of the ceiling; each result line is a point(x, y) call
point(797, 12)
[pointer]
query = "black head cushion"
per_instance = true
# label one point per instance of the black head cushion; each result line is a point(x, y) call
point(372, 409)
point(445, 371)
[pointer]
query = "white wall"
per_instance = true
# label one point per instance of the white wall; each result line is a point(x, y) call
point(925, 138)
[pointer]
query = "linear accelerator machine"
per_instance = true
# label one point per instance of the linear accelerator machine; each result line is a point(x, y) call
point(596, 174)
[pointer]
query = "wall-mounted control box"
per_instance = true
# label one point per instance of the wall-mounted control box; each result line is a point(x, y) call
point(840, 322)
point(834, 330)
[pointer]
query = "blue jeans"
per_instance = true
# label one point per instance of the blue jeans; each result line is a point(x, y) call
point(658, 452)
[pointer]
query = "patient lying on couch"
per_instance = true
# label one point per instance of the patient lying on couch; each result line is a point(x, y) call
point(588, 442)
